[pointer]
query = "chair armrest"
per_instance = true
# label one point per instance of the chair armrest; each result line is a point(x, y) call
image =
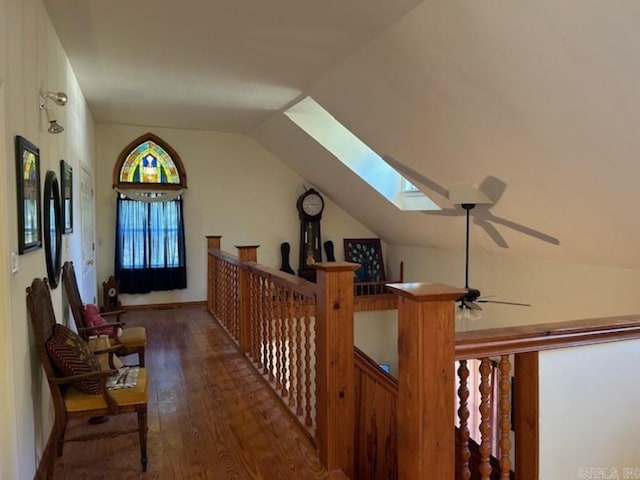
point(85, 331)
point(113, 313)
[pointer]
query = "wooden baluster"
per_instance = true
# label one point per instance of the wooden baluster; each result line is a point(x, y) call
point(308, 420)
point(279, 336)
point(264, 306)
point(246, 253)
point(271, 356)
point(213, 243)
point(299, 313)
point(225, 296)
point(290, 346)
point(235, 303)
point(504, 413)
point(462, 447)
point(255, 320)
point(485, 421)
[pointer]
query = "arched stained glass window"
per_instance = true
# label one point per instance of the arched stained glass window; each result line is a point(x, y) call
point(150, 238)
point(149, 163)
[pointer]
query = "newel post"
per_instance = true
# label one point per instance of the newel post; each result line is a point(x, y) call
point(213, 243)
point(246, 253)
point(426, 356)
point(335, 380)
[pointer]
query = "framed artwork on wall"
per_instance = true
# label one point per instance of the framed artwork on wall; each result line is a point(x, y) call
point(28, 190)
point(368, 253)
point(66, 194)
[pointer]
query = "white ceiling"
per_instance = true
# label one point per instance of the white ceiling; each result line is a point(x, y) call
point(208, 64)
point(535, 100)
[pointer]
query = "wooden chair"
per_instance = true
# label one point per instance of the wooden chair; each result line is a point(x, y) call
point(132, 340)
point(68, 401)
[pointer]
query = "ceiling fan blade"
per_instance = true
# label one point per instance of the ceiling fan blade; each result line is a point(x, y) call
point(505, 303)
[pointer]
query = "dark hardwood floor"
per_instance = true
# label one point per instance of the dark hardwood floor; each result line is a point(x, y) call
point(210, 416)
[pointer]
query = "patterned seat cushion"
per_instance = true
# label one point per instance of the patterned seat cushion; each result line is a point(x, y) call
point(71, 355)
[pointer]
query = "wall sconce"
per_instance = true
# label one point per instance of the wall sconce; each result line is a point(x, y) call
point(59, 98)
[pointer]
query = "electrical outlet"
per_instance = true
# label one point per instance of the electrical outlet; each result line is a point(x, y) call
point(14, 263)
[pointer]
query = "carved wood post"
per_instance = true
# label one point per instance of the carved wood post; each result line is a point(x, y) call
point(426, 355)
point(213, 243)
point(246, 253)
point(525, 415)
point(335, 368)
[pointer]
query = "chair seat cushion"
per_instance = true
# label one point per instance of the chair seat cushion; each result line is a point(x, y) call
point(71, 355)
point(77, 401)
point(91, 318)
point(133, 337)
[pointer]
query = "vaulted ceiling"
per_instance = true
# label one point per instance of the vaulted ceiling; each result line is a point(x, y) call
point(536, 102)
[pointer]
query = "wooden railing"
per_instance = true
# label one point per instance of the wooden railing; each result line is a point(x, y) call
point(299, 337)
point(296, 334)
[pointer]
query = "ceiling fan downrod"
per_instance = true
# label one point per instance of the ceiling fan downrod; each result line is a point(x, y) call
point(468, 207)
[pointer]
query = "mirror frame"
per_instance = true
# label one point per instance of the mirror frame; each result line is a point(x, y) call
point(52, 228)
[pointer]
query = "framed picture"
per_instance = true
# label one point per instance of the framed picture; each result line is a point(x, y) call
point(368, 253)
point(66, 194)
point(28, 189)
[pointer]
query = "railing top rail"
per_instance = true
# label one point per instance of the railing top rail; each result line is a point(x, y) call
point(547, 336)
point(283, 279)
point(227, 257)
point(369, 366)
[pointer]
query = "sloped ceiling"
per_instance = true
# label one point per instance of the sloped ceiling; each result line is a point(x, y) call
point(534, 100)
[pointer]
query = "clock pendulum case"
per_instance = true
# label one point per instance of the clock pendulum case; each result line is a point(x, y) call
point(310, 206)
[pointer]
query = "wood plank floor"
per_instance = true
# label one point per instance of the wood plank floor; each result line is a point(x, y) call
point(210, 416)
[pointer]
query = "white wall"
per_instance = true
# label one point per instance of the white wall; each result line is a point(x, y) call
point(557, 291)
point(376, 334)
point(236, 189)
point(588, 410)
point(31, 60)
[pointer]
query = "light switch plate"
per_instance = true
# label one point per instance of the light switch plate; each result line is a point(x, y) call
point(14, 263)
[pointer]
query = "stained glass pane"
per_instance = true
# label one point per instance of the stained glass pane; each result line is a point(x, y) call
point(149, 163)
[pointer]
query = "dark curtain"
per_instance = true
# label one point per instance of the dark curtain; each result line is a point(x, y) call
point(150, 246)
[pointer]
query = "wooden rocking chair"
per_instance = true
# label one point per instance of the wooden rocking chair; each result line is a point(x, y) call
point(67, 391)
point(132, 340)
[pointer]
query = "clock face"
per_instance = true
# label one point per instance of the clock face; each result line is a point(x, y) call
point(312, 204)
point(112, 292)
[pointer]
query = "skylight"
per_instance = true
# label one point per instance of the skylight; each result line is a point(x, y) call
point(355, 154)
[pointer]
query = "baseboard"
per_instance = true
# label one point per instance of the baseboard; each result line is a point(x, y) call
point(165, 306)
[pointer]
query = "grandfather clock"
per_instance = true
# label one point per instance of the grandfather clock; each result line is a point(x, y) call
point(310, 205)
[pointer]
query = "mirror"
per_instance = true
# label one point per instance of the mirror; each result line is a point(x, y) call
point(52, 228)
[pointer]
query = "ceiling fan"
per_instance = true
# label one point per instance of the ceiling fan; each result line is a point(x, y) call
point(468, 307)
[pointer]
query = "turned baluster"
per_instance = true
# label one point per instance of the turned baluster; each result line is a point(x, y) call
point(504, 413)
point(264, 308)
point(290, 345)
point(277, 338)
point(272, 354)
point(485, 421)
point(463, 452)
point(299, 313)
point(308, 303)
point(255, 320)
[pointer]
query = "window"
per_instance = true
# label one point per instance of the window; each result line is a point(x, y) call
point(337, 139)
point(150, 243)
